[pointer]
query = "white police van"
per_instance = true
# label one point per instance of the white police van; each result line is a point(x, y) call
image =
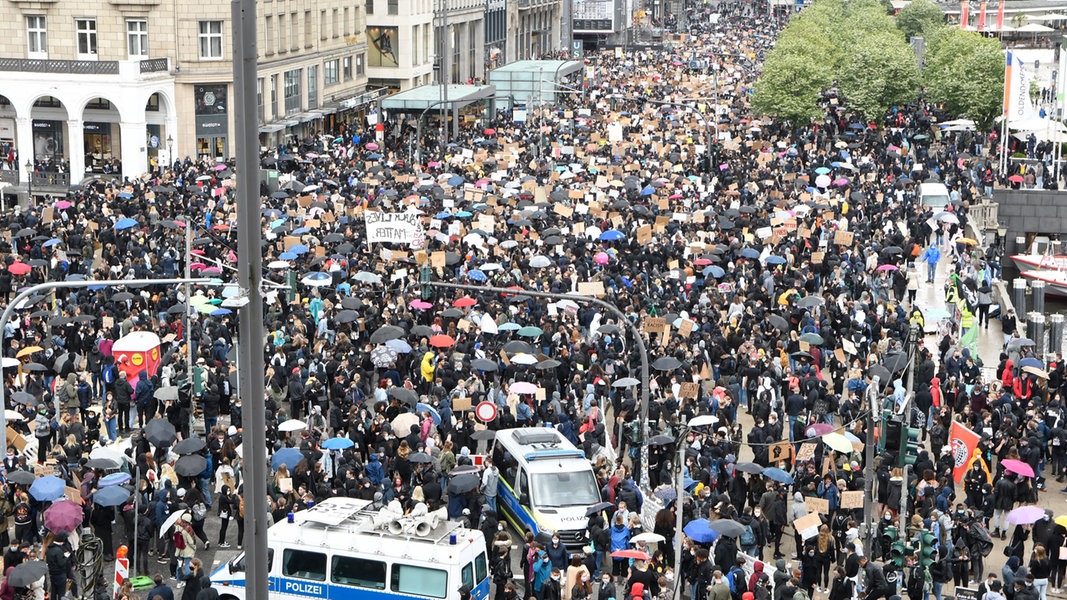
point(546, 484)
point(340, 550)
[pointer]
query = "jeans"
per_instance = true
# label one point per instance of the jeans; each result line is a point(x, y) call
point(1000, 520)
point(111, 426)
point(490, 501)
point(183, 567)
point(931, 270)
point(1041, 585)
point(205, 489)
point(792, 423)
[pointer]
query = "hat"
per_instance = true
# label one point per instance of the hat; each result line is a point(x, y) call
point(181, 492)
point(186, 517)
point(231, 431)
point(200, 361)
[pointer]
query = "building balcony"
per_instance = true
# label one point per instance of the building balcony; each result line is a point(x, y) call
point(9, 176)
point(125, 69)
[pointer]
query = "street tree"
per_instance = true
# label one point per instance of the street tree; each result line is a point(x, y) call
point(965, 71)
point(879, 70)
point(920, 18)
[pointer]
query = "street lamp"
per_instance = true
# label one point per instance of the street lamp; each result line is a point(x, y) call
point(679, 474)
point(29, 178)
point(170, 149)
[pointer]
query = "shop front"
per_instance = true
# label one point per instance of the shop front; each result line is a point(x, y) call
point(100, 146)
point(212, 128)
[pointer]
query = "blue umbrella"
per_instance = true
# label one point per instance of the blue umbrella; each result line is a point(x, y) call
point(775, 260)
point(277, 222)
point(48, 488)
point(436, 416)
point(822, 171)
point(455, 180)
point(338, 443)
point(288, 256)
point(111, 496)
point(399, 345)
point(286, 456)
point(221, 312)
point(443, 215)
point(700, 531)
point(464, 215)
point(476, 275)
point(509, 327)
point(715, 271)
point(1030, 361)
point(125, 195)
point(113, 479)
point(374, 156)
point(749, 253)
point(338, 140)
point(778, 475)
point(125, 223)
point(52, 242)
point(666, 493)
point(648, 191)
point(612, 235)
point(301, 230)
point(298, 248)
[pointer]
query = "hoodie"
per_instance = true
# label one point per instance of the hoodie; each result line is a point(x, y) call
point(781, 576)
point(375, 471)
point(757, 570)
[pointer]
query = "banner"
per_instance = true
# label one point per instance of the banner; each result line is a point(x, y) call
point(962, 442)
point(391, 228)
point(981, 16)
point(965, 14)
point(1017, 104)
point(1000, 14)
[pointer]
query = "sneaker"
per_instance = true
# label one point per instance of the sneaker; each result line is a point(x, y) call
point(224, 545)
point(238, 546)
point(207, 545)
point(162, 561)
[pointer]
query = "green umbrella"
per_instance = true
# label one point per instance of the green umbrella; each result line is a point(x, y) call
point(530, 331)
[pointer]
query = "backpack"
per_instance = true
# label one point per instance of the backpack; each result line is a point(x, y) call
point(748, 538)
point(762, 590)
point(179, 539)
point(736, 577)
point(108, 374)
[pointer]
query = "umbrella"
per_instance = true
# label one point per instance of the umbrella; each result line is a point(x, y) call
point(113, 479)
point(160, 432)
point(518, 347)
point(1026, 515)
point(529, 331)
point(463, 483)
point(700, 531)
point(384, 355)
point(48, 488)
point(837, 442)
point(666, 363)
point(661, 440)
point(190, 465)
point(25, 574)
point(648, 538)
point(625, 382)
point(537, 262)
point(817, 429)
point(12, 415)
point(404, 395)
point(286, 456)
point(338, 443)
point(170, 521)
point(634, 554)
point(887, 268)
point(316, 279)
point(523, 387)
point(481, 364)
point(778, 475)
point(1030, 361)
point(483, 434)
point(386, 333)
point(292, 425)
point(1043, 374)
point(442, 341)
point(1012, 465)
point(812, 338)
point(21, 477)
point(19, 268)
point(727, 527)
point(748, 467)
point(420, 458)
point(436, 416)
point(112, 496)
point(169, 392)
point(125, 223)
point(403, 422)
point(108, 452)
point(547, 364)
point(598, 507)
point(779, 322)
point(1015, 343)
point(666, 493)
point(102, 463)
point(64, 516)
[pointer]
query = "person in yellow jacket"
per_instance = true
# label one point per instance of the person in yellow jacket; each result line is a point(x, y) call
point(427, 368)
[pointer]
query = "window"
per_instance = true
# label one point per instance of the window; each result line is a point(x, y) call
point(282, 37)
point(294, 33)
point(359, 572)
point(420, 581)
point(313, 87)
point(268, 35)
point(260, 113)
point(394, 7)
point(37, 36)
point(346, 67)
point(468, 575)
point(308, 26)
point(361, 62)
point(576, 488)
point(336, 23)
point(323, 28)
point(274, 96)
point(329, 72)
point(348, 23)
point(210, 39)
point(370, 7)
point(304, 564)
point(481, 567)
point(86, 29)
point(292, 91)
point(137, 37)
point(238, 565)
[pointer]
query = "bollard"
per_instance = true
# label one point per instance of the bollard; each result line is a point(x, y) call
point(1035, 330)
point(1037, 296)
point(1055, 333)
point(1018, 296)
point(1020, 248)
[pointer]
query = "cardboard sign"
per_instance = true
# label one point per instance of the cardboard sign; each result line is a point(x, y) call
point(781, 451)
point(819, 506)
point(591, 288)
point(644, 235)
point(852, 499)
point(461, 404)
point(44, 469)
point(806, 452)
point(808, 525)
point(437, 260)
point(653, 324)
point(686, 328)
point(848, 346)
point(504, 357)
point(688, 390)
point(285, 484)
point(73, 494)
point(839, 354)
point(817, 257)
point(15, 439)
point(843, 238)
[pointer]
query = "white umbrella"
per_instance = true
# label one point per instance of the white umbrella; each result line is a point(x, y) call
point(488, 325)
point(13, 415)
point(368, 277)
point(540, 262)
point(9, 361)
point(524, 359)
point(171, 520)
point(647, 538)
point(292, 425)
point(278, 264)
point(491, 267)
point(109, 453)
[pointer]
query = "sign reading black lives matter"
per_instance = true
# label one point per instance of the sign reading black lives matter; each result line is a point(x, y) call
point(391, 228)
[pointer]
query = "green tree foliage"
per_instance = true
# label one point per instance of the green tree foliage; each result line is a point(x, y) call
point(880, 70)
point(920, 18)
point(965, 71)
point(800, 66)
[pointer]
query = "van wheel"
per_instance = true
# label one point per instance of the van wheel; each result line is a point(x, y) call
point(227, 597)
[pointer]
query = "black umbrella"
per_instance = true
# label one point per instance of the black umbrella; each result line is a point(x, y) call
point(779, 323)
point(404, 395)
point(189, 446)
point(160, 432)
point(609, 329)
point(800, 354)
point(727, 527)
point(101, 463)
point(422, 331)
point(346, 316)
point(176, 309)
point(517, 346)
point(122, 297)
point(25, 574)
point(419, 458)
point(666, 363)
point(598, 507)
point(21, 477)
point(661, 440)
point(350, 303)
point(483, 434)
point(452, 313)
point(190, 465)
point(748, 467)
point(481, 364)
point(34, 366)
point(547, 364)
point(24, 398)
point(385, 333)
point(463, 483)
point(896, 361)
point(881, 373)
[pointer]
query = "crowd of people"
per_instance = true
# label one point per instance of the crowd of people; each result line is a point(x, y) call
point(776, 268)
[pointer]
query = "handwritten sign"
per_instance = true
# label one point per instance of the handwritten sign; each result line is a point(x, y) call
point(688, 390)
point(653, 324)
point(391, 228)
point(781, 451)
point(806, 452)
point(816, 505)
point(808, 525)
point(852, 499)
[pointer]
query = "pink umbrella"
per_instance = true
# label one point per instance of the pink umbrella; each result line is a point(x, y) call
point(523, 387)
point(1018, 467)
point(63, 205)
point(420, 305)
point(887, 267)
point(212, 271)
point(64, 515)
point(221, 167)
point(197, 266)
point(601, 258)
point(1025, 515)
point(841, 181)
point(372, 146)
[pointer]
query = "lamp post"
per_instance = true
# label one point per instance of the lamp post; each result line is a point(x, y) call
point(29, 178)
point(170, 149)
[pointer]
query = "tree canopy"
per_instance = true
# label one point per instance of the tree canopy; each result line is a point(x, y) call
point(965, 71)
point(920, 18)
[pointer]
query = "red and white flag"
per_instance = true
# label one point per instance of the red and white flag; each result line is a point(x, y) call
point(962, 443)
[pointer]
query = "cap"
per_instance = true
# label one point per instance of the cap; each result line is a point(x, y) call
point(186, 517)
point(181, 492)
point(231, 431)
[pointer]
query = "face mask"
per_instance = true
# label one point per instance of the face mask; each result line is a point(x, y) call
point(555, 540)
point(585, 579)
point(500, 528)
point(555, 578)
point(606, 580)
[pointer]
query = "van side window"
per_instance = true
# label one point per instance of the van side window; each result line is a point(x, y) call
point(304, 564)
point(468, 575)
point(239, 564)
point(419, 581)
point(349, 570)
point(481, 568)
point(524, 484)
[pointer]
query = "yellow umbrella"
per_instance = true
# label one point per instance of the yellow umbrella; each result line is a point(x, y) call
point(967, 241)
point(28, 351)
point(1061, 520)
point(837, 442)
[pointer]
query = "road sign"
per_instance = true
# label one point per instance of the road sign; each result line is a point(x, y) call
point(485, 411)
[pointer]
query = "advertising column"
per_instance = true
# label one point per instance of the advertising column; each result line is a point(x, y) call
point(212, 130)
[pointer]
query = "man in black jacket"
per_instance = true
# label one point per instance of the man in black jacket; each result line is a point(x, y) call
point(1003, 501)
point(123, 395)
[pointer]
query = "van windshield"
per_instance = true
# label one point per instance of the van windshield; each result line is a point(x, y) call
point(564, 489)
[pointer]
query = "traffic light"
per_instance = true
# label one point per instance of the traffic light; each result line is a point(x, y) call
point(889, 534)
point(909, 445)
point(891, 437)
point(898, 553)
point(425, 276)
point(927, 549)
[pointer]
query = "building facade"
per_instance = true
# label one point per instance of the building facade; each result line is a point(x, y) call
point(459, 35)
point(400, 43)
point(537, 29)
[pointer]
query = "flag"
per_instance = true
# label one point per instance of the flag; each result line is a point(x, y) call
point(1017, 104)
point(981, 16)
point(1000, 14)
point(965, 14)
point(962, 443)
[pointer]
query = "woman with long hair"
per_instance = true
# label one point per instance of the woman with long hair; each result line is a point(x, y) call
point(1040, 567)
point(825, 555)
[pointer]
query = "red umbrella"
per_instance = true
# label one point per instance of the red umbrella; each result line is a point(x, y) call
point(490, 131)
point(1016, 179)
point(634, 554)
point(64, 515)
point(441, 341)
point(464, 302)
point(1018, 467)
point(701, 262)
point(18, 268)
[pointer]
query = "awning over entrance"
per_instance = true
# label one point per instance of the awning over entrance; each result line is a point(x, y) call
point(417, 100)
point(525, 80)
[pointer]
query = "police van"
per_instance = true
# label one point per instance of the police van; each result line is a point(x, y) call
point(546, 484)
point(340, 550)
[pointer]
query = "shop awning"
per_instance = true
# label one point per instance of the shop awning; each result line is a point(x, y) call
point(525, 80)
point(271, 127)
point(430, 96)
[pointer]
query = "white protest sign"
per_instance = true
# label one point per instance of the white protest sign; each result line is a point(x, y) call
point(391, 228)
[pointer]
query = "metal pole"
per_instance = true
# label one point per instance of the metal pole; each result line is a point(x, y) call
point(188, 295)
point(679, 504)
point(418, 127)
point(136, 498)
point(868, 482)
point(446, 74)
point(638, 342)
point(249, 264)
point(52, 285)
